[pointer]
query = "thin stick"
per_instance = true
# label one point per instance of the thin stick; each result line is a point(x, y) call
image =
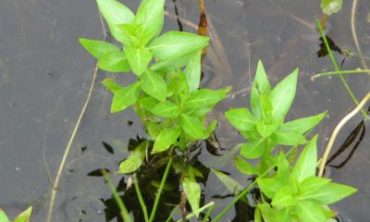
point(354, 71)
point(141, 200)
point(67, 149)
point(354, 34)
point(336, 131)
point(160, 189)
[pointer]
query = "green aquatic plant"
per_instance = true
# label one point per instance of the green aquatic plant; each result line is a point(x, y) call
point(166, 94)
point(289, 189)
point(22, 217)
point(330, 7)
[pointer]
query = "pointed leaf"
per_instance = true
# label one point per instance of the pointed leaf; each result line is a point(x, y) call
point(193, 192)
point(165, 139)
point(116, 13)
point(24, 216)
point(175, 44)
point(138, 59)
point(306, 163)
point(114, 62)
point(166, 109)
point(171, 64)
point(150, 16)
point(193, 127)
point(3, 216)
point(302, 125)
point(308, 211)
point(311, 185)
point(241, 118)
point(111, 85)
point(154, 85)
point(260, 86)
point(253, 149)
point(284, 198)
point(98, 48)
point(330, 193)
point(134, 160)
point(231, 184)
point(291, 138)
point(124, 98)
point(244, 166)
point(269, 186)
point(193, 71)
point(283, 94)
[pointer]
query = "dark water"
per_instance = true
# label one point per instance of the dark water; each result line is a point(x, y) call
point(45, 76)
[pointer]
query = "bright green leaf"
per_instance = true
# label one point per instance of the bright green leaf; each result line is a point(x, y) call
point(231, 184)
point(134, 160)
point(253, 150)
point(266, 129)
point(124, 98)
point(193, 71)
point(242, 119)
point(306, 163)
point(260, 85)
point(283, 94)
point(244, 166)
point(165, 139)
point(116, 13)
point(114, 62)
point(98, 48)
point(150, 16)
point(288, 138)
point(3, 216)
point(169, 65)
point(24, 216)
point(268, 213)
point(330, 193)
point(153, 129)
point(174, 44)
point(193, 127)
point(166, 109)
point(302, 125)
point(111, 85)
point(330, 7)
point(138, 58)
point(269, 186)
point(193, 192)
point(308, 211)
point(154, 85)
point(284, 198)
point(203, 100)
point(311, 185)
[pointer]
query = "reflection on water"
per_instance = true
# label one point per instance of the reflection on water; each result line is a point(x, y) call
point(44, 77)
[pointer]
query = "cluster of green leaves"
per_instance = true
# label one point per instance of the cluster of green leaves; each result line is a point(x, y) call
point(22, 217)
point(166, 94)
point(287, 193)
point(330, 7)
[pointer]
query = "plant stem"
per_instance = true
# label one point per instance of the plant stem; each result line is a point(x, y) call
point(336, 131)
point(209, 211)
point(354, 71)
point(123, 210)
point(194, 213)
point(244, 192)
point(141, 200)
point(336, 67)
point(160, 189)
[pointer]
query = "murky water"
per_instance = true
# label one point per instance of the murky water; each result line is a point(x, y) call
point(45, 76)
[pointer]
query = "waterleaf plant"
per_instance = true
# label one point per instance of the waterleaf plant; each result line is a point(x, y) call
point(290, 191)
point(22, 217)
point(166, 94)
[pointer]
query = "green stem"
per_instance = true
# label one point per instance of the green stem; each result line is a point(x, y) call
point(209, 211)
point(141, 200)
point(336, 66)
point(243, 193)
point(194, 214)
point(354, 71)
point(160, 189)
point(123, 210)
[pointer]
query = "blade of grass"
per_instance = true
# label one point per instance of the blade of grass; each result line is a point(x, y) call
point(341, 72)
point(209, 211)
point(141, 200)
point(160, 189)
point(194, 213)
point(123, 210)
point(336, 66)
